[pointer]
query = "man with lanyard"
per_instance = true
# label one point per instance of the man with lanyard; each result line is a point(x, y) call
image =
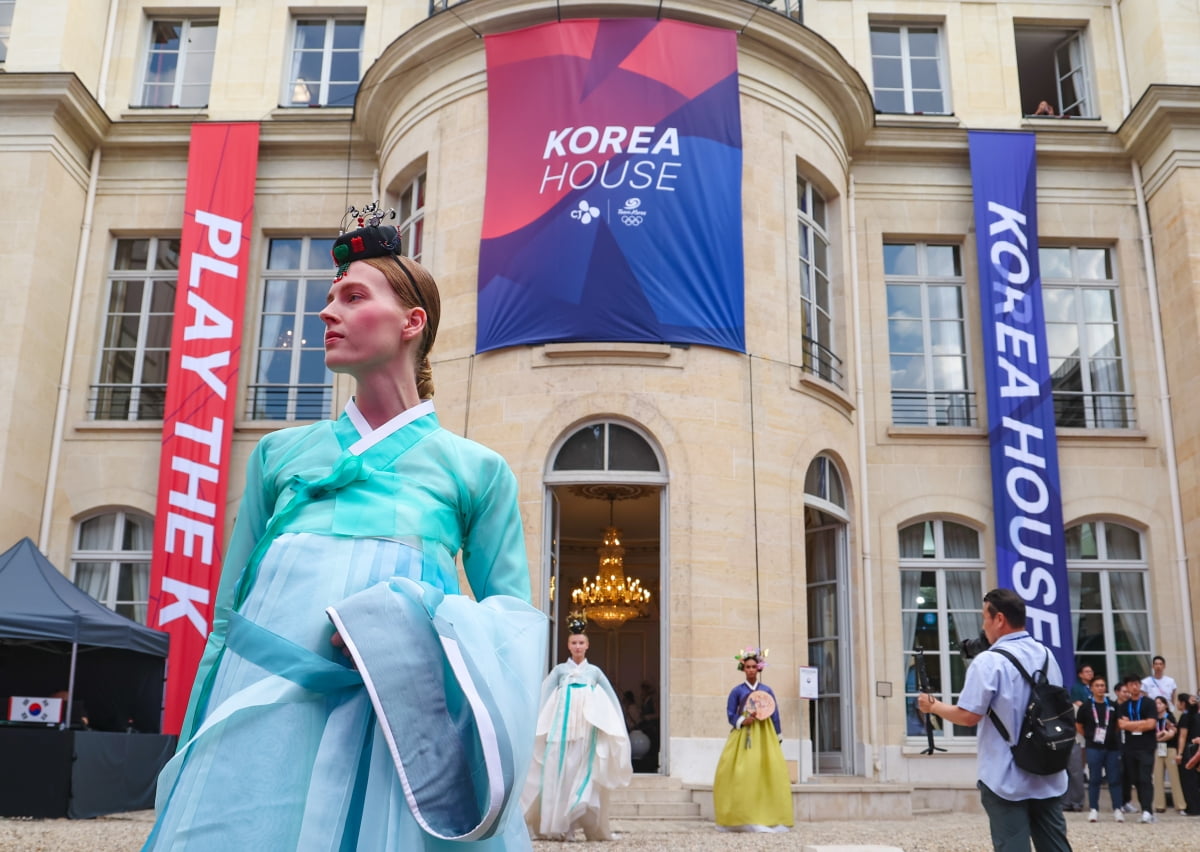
point(1081, 693)
point(1160, 683)
point(1020, 806)
point(1138, 718)
point(1096, 722)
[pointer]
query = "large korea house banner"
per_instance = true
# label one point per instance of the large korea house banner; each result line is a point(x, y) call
point(613, 207)
point(193, 475)
point(1027, 499)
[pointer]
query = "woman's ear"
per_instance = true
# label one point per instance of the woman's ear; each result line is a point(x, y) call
point(414, 323)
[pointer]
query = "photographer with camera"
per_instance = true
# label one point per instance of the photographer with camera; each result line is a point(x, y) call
point(1021, 806)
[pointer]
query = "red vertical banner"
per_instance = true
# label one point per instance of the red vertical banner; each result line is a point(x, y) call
point(193, 474)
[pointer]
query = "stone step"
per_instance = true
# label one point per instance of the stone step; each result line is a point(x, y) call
point(639, 795)
point(654, 810)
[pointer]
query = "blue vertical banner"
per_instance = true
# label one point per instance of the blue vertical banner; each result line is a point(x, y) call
point(1027, 500)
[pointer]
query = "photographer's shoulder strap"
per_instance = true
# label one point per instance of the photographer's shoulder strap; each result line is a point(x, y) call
point(992, 713)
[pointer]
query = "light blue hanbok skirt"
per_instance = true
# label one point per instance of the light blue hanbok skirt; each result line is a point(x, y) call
point(276, 765)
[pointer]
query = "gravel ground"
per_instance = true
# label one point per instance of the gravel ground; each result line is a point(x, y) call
point(926, 833)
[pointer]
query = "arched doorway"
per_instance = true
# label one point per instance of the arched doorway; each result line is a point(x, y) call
point(827, 595)
point(610, 476)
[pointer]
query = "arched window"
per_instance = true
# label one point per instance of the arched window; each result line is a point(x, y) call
point(606, 446)
point(941, 598)
point(1110, 594)
point(827, 593)
point(111, 561)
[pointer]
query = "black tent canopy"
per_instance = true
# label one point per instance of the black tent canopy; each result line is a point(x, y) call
point(47, 623)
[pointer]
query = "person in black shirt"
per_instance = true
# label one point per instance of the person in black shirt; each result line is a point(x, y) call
point(1137, 717)
point(1189, 730)
point(1096, 722)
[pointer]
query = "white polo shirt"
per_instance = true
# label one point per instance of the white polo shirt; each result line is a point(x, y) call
point(994, 682)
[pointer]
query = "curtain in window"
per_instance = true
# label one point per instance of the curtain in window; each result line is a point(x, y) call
point(964, 593)
point(910, 585)
point(97, 533)
point(960, 542)
point(1128, 592)
point(1075, 582)
point(92, 577)
point(912, 542)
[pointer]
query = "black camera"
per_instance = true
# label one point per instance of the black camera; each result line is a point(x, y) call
point(969, 648)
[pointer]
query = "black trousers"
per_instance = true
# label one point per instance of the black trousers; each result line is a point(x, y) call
point(1139, 772)
point(1189, 780)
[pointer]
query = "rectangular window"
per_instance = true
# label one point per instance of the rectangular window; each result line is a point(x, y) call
point(6, 16)
point(906, 61)
point(326, 62)
point(411, 215)
point(815, 296)
point(941, 591)
point(135, 350)
point(1087, 369)
point(927, 336)
point(291, 380)
point(1052, 67)
point(179, 63)
point(1110, 595)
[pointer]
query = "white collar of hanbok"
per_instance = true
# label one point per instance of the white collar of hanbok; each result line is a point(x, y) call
point(577, 665)
point(755, 685)
point(371, 437)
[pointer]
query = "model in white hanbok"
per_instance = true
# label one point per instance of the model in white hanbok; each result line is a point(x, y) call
point(581, 752)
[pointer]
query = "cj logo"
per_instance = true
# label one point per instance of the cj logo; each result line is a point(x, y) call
point(632, 214)
point(585, 213)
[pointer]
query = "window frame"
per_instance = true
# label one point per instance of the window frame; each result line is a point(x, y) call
point(410, 209)
point(1105, 567)
point(1124, 418)
point(182, 54)
point(818, 356)
point(117, 559)
point(940, 565)
point(1083, 85)
point(6, 27)
point(938, 403)
point(289, 84)
point(149, 277)
point(300, 279)
point(906, 88)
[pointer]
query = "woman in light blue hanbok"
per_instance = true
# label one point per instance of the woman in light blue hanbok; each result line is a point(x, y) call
point(581, 752)
point(349, 697)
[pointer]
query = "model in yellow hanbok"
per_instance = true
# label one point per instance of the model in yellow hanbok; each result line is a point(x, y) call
point(751, 790)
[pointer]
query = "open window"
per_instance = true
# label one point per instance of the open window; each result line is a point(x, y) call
point(1054, 72)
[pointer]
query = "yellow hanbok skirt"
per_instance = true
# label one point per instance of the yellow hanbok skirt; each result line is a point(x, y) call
point(751, 790)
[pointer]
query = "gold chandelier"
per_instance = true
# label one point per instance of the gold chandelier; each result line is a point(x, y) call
point(612, 598)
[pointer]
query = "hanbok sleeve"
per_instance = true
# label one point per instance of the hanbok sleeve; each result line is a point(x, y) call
point(494, 540)
point(253, 514)
point(731, 707)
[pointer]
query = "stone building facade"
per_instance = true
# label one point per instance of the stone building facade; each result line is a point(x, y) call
point(826, 494)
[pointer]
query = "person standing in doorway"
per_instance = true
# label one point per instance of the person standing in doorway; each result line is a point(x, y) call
point(1158, 682)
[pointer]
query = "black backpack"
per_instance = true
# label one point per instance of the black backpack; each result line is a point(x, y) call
point(1047, 734)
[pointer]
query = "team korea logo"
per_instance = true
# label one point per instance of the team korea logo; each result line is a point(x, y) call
point(632, 214)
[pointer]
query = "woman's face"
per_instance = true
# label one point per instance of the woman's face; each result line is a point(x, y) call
point(366, 327)
point(750, 669)
point(577, 645)
point(1161, 704)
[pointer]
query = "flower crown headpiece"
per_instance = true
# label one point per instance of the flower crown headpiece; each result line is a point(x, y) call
point(369, 239)
point(749, 651)
point(576, 622)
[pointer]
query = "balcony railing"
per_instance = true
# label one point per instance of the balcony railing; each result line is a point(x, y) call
point(793, 9)
point(126, 402)
point(288, 402)
point(1107, 410)
point(821, 362)
point(934, 408)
